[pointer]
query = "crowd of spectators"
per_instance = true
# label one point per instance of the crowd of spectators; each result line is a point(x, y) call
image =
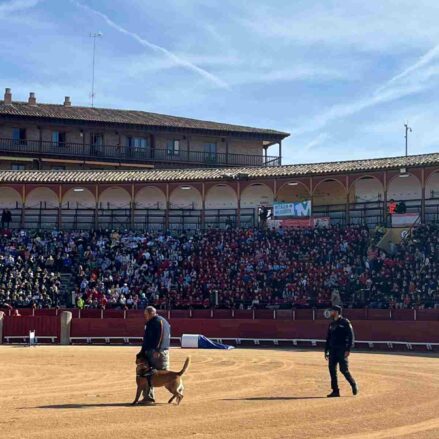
point(29, 270)
point(234, 268)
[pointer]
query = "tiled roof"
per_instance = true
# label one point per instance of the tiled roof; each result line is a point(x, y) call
point(131, 117)
point(181, 175)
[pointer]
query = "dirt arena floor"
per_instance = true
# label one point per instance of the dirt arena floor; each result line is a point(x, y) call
point(84, 392)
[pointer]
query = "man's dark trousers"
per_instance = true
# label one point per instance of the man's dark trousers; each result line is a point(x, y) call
point(337, 356)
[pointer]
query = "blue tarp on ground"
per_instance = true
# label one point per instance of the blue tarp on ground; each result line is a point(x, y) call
point(207, 343)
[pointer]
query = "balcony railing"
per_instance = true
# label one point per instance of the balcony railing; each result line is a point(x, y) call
point(127, 154)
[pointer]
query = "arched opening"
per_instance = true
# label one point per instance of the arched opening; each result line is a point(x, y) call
point(292, 191)
point(255, 195)
point(150, 197)
point(366, 189)
point(221, 196)
point(404, 187)
point(329, 192)
point(42, 197)
point(185, 197)
point(115, 198)
point(9, 198)
point(79, 198)
point(432, 186)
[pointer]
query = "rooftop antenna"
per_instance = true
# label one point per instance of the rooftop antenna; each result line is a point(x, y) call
point(407, 130)
point(94, 36)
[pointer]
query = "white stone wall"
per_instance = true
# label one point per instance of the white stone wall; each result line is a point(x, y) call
point(256, 195)
point(82, 200)
point(329, 192)
point(115, 197)
point(432, 186)
point(368, 189)
point(221, 197)
point(9, 198)
point(150, 197)
point(404, 188)
point(185, 198)
point(289, 194)
point(42, 196)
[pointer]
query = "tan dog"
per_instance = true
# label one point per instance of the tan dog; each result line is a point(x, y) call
point(161, 378)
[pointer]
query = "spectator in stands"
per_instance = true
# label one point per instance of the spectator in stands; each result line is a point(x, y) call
point(233, 268)
point(6, 218)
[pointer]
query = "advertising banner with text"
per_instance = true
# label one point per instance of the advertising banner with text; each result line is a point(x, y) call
point(292, 210)
point(320, 222)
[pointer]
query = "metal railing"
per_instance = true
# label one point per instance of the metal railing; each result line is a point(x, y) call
point(69, 216)
point(119, 153)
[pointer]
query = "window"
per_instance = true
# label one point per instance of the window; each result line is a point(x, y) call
point(173, 147)
point(96, 142)
point(58, 138)
point(210, 150)
point(97, 139)
point(138, 142)
point(18, 167)
point(19, 135)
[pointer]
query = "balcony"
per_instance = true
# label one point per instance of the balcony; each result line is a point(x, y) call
point(126, 154)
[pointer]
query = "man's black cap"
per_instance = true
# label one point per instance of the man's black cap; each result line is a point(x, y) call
point(336, 308)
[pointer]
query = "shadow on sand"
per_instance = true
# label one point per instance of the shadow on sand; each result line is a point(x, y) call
point(275, 398)
point(85, 406)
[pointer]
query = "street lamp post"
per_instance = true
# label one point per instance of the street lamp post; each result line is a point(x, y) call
point(94, 36)
point(407, 129)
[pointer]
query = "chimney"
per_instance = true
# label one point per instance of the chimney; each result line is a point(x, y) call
point(8, 96)
point(32, 99)
point(67, 102)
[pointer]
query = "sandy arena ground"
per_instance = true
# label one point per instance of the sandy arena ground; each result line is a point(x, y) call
point(84, 392)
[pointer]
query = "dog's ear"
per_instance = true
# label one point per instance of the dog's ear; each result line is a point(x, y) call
point(141, 358)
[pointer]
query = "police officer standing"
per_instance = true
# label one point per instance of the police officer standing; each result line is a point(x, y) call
point(155, 346)
point(338, 347)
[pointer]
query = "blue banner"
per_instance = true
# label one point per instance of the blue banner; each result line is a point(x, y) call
point(292, 210)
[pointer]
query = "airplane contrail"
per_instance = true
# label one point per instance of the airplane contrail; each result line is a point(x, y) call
point(145, 43)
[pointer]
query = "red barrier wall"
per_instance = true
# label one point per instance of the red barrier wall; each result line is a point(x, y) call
point(263, 314)
point(43, 326)
point(426, 332)
point(423, 331)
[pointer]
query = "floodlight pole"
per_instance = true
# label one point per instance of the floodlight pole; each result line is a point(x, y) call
point(94, 36)
point(407, 129)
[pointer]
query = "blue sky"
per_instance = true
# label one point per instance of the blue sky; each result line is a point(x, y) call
point(342, 76)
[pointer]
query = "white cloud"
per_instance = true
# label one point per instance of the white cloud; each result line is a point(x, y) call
point(414, 79)
point(316, 141)
point(295, 73)
point(16, 6)
point(356, 25)
point(156, 48)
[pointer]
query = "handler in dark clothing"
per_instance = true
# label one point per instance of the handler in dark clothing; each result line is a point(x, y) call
point(155, 346)
point(338, 347)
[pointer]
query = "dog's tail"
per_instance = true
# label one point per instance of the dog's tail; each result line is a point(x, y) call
point(185, 366)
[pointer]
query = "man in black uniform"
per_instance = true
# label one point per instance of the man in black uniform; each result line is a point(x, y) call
point(338, 347)
point(155, 346)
